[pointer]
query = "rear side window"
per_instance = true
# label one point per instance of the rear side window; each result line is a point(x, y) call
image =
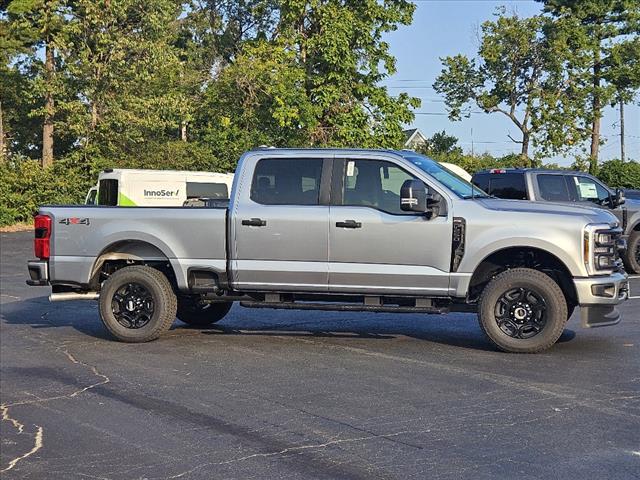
point(287, 181)
point(508, 185)
point(207, 190)
point(108, 192)
point(553, 188)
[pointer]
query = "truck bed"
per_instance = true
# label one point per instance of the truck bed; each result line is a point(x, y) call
point(188, 237)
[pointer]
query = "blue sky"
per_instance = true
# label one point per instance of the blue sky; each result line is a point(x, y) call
point(443, 28)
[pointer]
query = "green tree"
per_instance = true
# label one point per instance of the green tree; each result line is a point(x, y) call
point(507, 78)
point(313, 80)
point(340, 47)
point(124, 74)
point(596, 30)
point(441, 143)
point(39, 24)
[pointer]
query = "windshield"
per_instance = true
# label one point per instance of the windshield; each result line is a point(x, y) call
point(453, 182)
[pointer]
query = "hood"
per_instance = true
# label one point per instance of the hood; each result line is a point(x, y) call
point(592, 214)
point(632, 204)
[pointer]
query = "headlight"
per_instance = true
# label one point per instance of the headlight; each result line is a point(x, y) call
point(600, 248)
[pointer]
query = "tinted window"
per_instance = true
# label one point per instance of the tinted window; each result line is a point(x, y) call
point(508, 185)
point(108, 192)
point(553, 188)
point(586, 189)
point(481, 181)
point(207, 190)
point(374, 183)
point(287, 181)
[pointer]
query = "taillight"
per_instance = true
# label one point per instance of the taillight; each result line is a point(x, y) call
point(41, 244)
point(498, 170)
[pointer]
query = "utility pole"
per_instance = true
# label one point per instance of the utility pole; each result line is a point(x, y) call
point(472, 152)
point(622, 152)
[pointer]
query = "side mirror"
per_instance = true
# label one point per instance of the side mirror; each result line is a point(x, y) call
point(414, 197)
point(618, 199)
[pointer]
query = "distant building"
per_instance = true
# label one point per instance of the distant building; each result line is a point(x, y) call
point(413, 138)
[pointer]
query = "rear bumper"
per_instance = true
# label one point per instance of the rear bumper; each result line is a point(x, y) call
point(598, 298)
point(38, 273)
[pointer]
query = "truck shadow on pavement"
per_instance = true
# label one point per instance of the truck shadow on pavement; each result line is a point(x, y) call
point(456, 330)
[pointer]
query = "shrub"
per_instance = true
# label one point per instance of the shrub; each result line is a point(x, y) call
point(617, 173)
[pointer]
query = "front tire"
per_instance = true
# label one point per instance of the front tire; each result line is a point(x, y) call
point(522, 311)
point(137, 304)
point(632, 255)
point(193, 311)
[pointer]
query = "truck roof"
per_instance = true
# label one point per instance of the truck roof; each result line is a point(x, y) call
point(528, 170)
point(332, 149)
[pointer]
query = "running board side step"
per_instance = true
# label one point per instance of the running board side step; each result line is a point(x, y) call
point(343, 307)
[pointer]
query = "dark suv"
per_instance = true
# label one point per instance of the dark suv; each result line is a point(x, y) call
point(567, 186)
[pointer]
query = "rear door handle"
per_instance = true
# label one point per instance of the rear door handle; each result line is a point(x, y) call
point(349, 224)
point(254, 222)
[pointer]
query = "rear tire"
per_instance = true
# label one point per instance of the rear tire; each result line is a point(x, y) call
point(632, 255)
point(522, 311)
point(137, 304)
point(192, 311)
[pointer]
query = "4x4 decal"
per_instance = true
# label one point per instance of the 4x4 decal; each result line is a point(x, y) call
point(75, 221)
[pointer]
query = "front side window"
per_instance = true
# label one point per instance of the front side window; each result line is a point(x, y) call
point(553, 188)
point(287, 181)
point(108, 192)
point(508, 185)
point(588, 190)
point(374, 183)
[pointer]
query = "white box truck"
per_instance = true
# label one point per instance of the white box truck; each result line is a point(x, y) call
point(157, 188)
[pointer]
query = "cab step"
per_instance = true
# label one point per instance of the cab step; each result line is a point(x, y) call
point(344, 307)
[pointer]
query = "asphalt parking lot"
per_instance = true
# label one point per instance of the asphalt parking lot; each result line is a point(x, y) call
point(285, 394)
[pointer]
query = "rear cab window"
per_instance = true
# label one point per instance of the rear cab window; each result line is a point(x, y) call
point(508, 185)
point(287, 181)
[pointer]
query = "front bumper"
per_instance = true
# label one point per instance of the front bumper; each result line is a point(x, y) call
point(598, 297)
point(38, 273)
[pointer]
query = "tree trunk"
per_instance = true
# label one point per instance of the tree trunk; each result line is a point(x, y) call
point(47, 130)
point(526, 138)
point(183, 131)
point(2, 144)
point(94, 116)
point(622, 152)
point(597, 113)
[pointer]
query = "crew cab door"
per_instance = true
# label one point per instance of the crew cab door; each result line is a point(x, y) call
point(374, 246)
point(280, 225)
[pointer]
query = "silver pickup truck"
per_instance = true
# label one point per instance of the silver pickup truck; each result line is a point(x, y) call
point(349, 230)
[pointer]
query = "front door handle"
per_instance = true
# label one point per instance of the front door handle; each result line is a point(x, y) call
point(349, 224)
point(254, 222)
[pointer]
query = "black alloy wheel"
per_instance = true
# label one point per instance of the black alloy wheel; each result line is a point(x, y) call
point(132, 305)
point(521, 313)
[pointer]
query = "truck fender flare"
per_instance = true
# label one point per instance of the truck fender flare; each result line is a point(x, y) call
point(131, 249)
point(545, 247)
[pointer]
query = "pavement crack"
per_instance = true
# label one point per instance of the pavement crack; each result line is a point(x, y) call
point(74, 360)
point(37, 440)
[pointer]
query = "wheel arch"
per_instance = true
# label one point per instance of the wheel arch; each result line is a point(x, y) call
point(131, 251)
point(507, 258)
